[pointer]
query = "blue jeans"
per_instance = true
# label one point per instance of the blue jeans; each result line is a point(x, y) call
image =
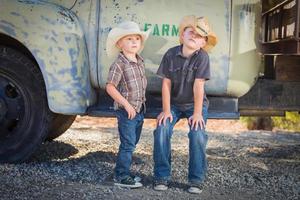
point(197, 147)
point(129, 132)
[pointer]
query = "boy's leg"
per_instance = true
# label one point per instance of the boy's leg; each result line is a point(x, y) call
point(127, 133)
point(162, 148)
point(139, 127)
point(197, 157)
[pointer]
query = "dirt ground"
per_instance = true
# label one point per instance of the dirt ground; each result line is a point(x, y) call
point(243, 164)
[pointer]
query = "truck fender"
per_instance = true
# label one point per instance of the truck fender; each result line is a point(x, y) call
point(54, 37)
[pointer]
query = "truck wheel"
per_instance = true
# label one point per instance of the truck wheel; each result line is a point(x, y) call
point(24, 112)
point(60, 123)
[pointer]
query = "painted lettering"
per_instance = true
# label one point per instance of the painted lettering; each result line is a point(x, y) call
point(162, 30)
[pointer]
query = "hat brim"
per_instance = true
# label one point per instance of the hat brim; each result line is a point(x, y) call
point(211, 42)
point(116, 34)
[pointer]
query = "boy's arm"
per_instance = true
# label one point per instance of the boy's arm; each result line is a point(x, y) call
point(197, 118)
point(166, 105)
point(115, 94)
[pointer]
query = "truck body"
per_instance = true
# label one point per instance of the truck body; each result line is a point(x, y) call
point(53, 64)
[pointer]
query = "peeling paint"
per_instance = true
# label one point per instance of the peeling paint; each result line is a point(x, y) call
point(57, 43)
point(8, 27)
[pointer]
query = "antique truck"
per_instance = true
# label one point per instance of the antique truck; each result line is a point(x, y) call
point(53, 64)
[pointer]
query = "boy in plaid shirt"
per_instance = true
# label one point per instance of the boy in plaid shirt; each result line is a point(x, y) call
point(126, 84)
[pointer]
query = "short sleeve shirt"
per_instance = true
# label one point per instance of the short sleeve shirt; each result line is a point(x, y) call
point(130, 80)
point(182, 72)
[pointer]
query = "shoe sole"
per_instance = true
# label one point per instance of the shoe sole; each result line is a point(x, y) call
point(194, 190)
point(137, 185)
point(161, 188)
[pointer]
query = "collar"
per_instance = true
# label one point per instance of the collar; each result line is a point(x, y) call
point(127, 61)
point(179, 52)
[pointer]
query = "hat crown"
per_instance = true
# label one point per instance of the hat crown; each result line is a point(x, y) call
point(121, 30)
point(203, 25)
point(129, 25)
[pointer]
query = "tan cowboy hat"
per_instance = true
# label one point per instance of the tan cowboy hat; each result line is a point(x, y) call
point(201, 26)
point(123, 29)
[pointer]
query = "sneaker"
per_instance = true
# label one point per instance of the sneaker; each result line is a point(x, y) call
point(195, 189)
point(128, 182)
point(161, 185)
point(136, 178)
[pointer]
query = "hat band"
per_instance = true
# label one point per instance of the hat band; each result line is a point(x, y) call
point(202, 30)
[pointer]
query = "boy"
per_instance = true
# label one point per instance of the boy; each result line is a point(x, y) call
point(126, 84)
point(184, 70)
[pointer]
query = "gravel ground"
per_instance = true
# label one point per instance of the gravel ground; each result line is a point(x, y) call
point(78, 165)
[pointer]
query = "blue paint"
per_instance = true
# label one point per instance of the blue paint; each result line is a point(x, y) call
point(53, 63)
point(67, 39)
point(73, 55)
point(52, 22)
point(26, 22)
point(8, 28)
point(54, 33)
point(33, 2)
point(227, 16)
point(54, 40)
point(15, 14)
point(25, 34)
point(63, 71)
point(50, 50)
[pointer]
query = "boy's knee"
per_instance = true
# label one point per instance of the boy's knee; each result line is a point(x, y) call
point(128, 147)
point(198, 135)
point(163, 127)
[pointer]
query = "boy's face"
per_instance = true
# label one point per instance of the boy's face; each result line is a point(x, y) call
point(130, 43)
point(192, 39)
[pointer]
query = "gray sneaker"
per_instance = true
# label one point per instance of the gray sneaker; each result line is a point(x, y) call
point(195, 189)
point(161, 185)
point(128, 182)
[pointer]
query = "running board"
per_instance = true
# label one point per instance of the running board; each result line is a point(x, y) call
point(219, 107)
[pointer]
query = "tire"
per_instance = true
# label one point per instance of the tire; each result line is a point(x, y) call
point(24, 111)
point(60, 123)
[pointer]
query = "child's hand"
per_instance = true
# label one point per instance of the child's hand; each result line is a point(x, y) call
point(163, 116)
point(130, 110)
point(196, 120)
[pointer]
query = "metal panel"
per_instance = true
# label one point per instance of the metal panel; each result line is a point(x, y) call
point(163, 17)
point(54, 36)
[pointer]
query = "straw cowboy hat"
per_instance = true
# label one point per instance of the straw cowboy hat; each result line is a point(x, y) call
point(201, 26)
point(123, 29)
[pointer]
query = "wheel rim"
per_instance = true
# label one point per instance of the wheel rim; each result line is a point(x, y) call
point(11, 107)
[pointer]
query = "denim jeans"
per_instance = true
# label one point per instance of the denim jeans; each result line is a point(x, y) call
point(197, 147)
point(129, 132)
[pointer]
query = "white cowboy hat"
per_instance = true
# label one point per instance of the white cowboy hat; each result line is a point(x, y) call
point(123, 29)
point(201, 25)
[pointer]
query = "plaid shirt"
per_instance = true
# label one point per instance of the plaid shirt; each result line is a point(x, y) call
point(130, 80)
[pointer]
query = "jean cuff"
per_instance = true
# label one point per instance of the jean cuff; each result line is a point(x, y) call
point(167, 178)
point(195, 183)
